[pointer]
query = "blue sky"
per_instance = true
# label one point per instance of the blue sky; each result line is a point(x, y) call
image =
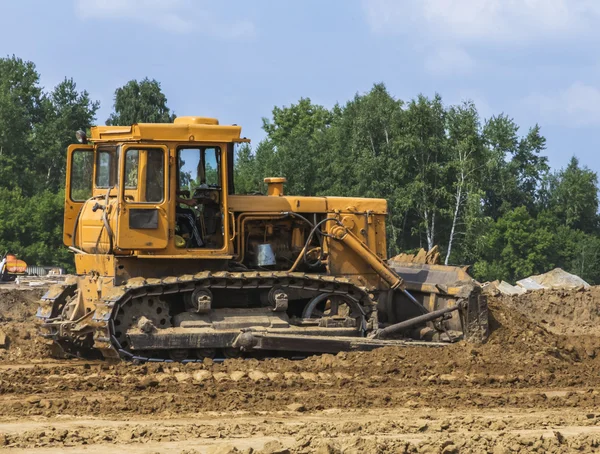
point(535, 60)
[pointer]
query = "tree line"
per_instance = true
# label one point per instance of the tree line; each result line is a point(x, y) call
point(480, 189)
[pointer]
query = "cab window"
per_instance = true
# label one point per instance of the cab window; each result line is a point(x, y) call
point(106, 167)
point(144, 175)
point(155, 176)
point(82, 169)
point(199, 167)
point(132, 159)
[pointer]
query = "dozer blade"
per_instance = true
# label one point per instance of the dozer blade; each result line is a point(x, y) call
point(439, 287)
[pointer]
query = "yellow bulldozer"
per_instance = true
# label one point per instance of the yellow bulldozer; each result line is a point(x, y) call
point(174, 265)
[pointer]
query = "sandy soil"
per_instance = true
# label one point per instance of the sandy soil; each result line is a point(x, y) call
point(533, 387)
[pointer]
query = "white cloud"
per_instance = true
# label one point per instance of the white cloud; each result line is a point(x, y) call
point(450, 61)
point(175, 16)
point(577, 105)
point(485, 20)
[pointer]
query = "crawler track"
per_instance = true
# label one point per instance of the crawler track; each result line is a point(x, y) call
point(108, 340)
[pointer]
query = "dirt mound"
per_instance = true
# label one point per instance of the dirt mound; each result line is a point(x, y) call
point(543, 329)
point(564, 312)
point(19, 304)
point(558, 279)
point(17, 323)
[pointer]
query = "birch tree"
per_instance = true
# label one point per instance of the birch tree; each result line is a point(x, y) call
point(466, 157)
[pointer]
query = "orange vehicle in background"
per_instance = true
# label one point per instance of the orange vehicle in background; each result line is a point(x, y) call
point(11, 267)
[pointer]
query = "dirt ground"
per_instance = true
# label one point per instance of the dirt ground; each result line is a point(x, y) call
point(533, 387)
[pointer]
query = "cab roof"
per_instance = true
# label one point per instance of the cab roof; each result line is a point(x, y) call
point(183, 129)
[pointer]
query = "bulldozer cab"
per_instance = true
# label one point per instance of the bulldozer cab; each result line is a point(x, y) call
point(161, 198)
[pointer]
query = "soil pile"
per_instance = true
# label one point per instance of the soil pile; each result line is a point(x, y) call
point(535, 337)
point(564, 312)
point(17, 323)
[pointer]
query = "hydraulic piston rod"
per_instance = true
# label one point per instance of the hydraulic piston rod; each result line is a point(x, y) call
point(402, 326)
point(387, 274)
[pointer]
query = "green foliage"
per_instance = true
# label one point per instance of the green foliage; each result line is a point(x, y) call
point(20, 110)
point(65, 110)
point(572, 197)
point(518, 245)
point(35, 129)
point(515, 246)
point(31, 227)
point(246, 176)
point(140, 102)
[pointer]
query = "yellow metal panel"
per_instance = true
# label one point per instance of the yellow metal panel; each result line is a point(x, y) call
point(357, 205)
point(167, 132)
point(196, 120)
point(254, 203)
point(258, 204)
point(100, 263)
point(92, 236)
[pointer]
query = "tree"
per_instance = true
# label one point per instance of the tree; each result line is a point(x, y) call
point(20, 110)
point(363, 156)
point(245, 177)
point(515, 169)
point(65, 111)
point(573, 197)
point(31, 227)
point(517, 245)
point(466, 161)
point(293, 145)
point(140, 102)
point(426, 143)
point(35, 129)
point(529, 167)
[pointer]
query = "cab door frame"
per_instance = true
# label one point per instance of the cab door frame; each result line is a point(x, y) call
point(72, 208)
point(224, 252)
point(141, 225)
